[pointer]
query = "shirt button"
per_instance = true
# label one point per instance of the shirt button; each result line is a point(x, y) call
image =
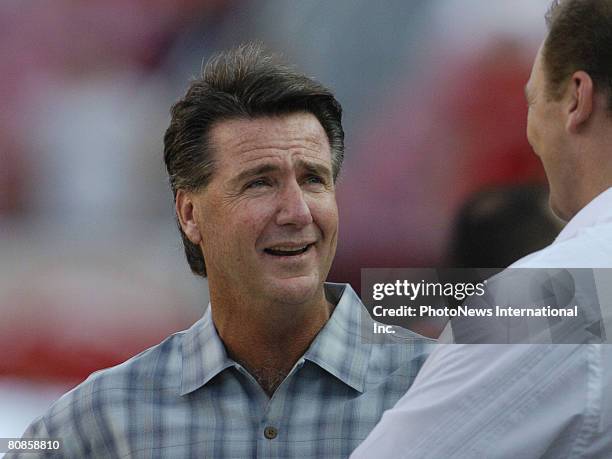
point(270, 433)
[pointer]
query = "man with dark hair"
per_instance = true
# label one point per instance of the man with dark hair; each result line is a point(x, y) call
point(279, 365)
point(526, 400)
point(244, 85)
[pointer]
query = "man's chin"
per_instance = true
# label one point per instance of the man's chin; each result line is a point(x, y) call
point(295, 290)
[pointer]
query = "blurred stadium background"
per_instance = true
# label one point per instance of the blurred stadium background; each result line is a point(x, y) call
point(91, 265)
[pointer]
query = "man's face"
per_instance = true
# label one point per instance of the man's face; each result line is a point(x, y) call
point(546, 134)
point(268, 218)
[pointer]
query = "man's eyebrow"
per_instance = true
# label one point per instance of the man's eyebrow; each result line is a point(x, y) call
point(254, 171)
point(262, 169)
point(315, 168)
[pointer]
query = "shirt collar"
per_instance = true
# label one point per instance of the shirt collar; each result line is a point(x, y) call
point(203, 354)
point(337, 349)
point(595, 212)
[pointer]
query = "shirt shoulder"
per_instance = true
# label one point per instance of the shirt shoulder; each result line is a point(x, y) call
point(394, 358)
point(590, 248)
point(91, 418)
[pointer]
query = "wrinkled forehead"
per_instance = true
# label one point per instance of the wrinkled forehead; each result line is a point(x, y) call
point(244, 139)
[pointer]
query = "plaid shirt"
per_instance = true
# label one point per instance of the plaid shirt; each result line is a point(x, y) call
point(186, 398)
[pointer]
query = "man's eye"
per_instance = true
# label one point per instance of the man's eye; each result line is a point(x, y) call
point(315, 179)
point(258, 183)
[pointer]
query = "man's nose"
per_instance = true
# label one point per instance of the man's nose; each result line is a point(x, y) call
point(292, 207)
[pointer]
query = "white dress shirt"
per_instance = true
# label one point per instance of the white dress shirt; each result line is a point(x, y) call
point(513, 401)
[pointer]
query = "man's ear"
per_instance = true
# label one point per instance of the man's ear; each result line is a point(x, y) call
point(186, 216)
point(580, 102)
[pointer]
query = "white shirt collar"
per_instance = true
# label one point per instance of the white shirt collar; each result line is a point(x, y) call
point(597, 211)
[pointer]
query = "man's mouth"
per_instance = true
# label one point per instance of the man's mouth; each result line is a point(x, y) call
point(283, 251)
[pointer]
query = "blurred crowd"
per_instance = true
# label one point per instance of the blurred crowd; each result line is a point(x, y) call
point(91, 264)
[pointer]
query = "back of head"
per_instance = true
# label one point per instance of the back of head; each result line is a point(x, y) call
point(243, 83)
point(579, 38)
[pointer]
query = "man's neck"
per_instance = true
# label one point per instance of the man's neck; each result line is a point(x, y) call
point(269, 339)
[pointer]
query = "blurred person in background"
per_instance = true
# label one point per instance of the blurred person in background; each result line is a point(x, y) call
point(499, 225)
point(277, 366)
point(534, 401)
point(495, 227)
